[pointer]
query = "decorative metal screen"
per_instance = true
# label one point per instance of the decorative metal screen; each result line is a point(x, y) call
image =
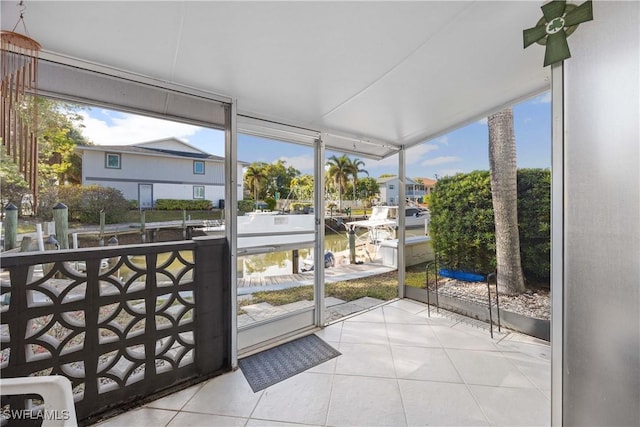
point(120, 323)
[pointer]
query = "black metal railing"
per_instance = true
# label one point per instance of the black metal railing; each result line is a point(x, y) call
point(493, 277)
point(433, 265)
point(122, 323)
point(432, 271)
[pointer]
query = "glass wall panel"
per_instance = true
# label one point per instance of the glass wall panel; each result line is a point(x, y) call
point(449, 185)
point(127, 178)
point(360, 233)
point(276, 234)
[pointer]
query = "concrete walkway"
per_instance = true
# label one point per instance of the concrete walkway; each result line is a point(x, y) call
point(398, 367)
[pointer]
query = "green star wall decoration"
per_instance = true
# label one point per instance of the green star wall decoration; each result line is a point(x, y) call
point(558, 22)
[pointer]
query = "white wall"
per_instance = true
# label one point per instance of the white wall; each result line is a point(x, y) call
point(172, 178)
point(601, 330)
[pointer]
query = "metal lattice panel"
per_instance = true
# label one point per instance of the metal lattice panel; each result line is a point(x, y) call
point(117, 325)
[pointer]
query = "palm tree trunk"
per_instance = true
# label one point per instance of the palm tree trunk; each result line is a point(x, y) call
point(502, 163)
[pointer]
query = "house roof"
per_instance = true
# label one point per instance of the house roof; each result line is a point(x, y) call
point(394, 178)
point(170, 147)
point(428, 182)
point(370, 76)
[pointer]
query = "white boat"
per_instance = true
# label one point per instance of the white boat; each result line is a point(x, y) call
point(381, 236)
point(266, 231)
point(415, 216)
point(380, 226)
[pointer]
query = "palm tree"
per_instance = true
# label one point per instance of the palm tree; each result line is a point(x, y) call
point(339, 171)
point(502, 164)
point(255, 176)
point(355, 170)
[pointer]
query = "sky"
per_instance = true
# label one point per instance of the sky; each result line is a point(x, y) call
point(463, 150)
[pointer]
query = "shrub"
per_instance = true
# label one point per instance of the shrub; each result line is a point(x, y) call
point(85, 203)
point(178, 204)
point(245, 206)
point(271, 203)
point(462, 224)
point(534, 215)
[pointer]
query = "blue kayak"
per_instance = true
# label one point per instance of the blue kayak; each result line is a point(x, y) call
point(461, 275)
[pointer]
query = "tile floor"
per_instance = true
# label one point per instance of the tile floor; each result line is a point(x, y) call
point(398, 367)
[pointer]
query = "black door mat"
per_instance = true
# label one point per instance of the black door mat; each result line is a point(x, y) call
point(284, 361)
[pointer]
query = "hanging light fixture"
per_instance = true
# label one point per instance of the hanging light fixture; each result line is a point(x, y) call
point(19, 106)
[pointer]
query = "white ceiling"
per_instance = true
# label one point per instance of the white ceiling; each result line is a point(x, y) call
point(392, 72)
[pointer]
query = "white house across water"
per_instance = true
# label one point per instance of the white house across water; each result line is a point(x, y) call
point(161, 169)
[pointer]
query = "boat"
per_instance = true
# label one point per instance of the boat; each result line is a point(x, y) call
point(415, 216)
point(381, 232)
point(268, 231)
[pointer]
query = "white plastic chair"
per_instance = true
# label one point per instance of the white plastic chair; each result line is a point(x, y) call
point(60, 411)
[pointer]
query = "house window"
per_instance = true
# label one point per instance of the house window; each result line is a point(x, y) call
point(198, 167)
point(112, 161)
point(391, 187)
point(198, 191)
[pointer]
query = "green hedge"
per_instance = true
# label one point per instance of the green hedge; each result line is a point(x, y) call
point(85, 203)
point(245, 206)
point(462, 223)
point(178, 205)
point(534, 215)
point(271, 203)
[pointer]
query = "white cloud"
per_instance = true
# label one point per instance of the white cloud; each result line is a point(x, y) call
point(125, 129)
point(440, 160)
point(483, 121)
point(443, 140)
point(302, 163)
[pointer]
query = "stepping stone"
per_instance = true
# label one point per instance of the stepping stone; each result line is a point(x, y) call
point(367, 302)
point(331, 301)
point(298, 305)
point(262, 310)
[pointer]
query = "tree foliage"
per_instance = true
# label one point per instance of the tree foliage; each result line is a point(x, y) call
point(534, 215)
point(85, 203)
point(303, 187)
point(462, 225)
point(355, 170)
point(462, 222)
point(341, 169)
point(279, 177)
point(266, 179)
point(13, 186)
point(59, 134)
point(367, 189)
point(255, 178)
